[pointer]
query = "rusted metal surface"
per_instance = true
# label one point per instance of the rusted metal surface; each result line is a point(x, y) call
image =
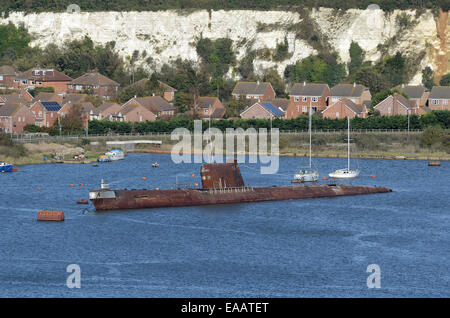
point(224, 185)
point(140, 199)
point(222, 175)
point(46, 215)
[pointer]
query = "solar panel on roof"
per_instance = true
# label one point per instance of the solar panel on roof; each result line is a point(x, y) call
point(275, 111)
point(51, 106)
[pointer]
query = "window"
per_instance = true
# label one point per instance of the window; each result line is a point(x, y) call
point(79, 87)
point(96, 86)
point(304, 99)
point(51, 115)
point(206, 111)
point(304, 109)
point(296, 98)
point(298, 109)
point(40, 114)
point(315, 99)
point(337, 115)
point(389, 110)
point(435, 101)
point(24, 82)
point(445, 101)
point(140, 118)
point(1, 77)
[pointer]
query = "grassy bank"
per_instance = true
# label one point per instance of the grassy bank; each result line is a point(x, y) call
point(396, 145)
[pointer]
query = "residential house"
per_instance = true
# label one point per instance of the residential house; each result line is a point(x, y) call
point(418, 94)
point(439, 98)
point(48, 97)
point(96, 83)
point(46, 113)
point(255, 91)
point(156, 104)
point(74, 98)
point(396, 104)
point(280, 103)
point(40, 77)
point(14, 117)
point(13, 99)
point(169, 92)
point(345, 108)
point(7, 76)
point(107, 109)
point(357, 93)
point(209, 107)
point(261, 110)
point(303, 95)
point(134, 113)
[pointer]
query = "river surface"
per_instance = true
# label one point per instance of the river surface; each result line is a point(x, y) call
point(301, 248)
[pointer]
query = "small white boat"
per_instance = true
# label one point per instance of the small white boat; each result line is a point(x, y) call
point(115, 154)
point(346, 173)
point(155, 165)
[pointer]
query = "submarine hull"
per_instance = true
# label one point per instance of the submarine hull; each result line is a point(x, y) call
point(106, 199)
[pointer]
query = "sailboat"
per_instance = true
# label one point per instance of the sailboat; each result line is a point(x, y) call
point(308, 174)
point(346, 173)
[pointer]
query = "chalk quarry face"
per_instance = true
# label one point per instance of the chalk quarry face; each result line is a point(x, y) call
point(168, 35)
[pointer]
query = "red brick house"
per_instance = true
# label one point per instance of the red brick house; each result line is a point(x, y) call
point(255, 91)
point(345, 108)
point(7, 77)
point(14, 117)
point(40, 77)
point(262, 110)
point(96, 83)
point(439, 98)
point(396, 105)
point(13, 99)
point(417, 94)
point(107, 110)
point(134, 113)
point(303, 95)
point(156, 104)
point(357, 93)
point(46, 113)
point(169, 92)
point(209, 107)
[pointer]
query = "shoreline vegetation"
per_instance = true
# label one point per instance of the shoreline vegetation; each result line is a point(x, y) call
point(188, 5)
point(396, 145)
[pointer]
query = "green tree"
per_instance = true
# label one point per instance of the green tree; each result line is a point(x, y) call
point(428, 77)
point(445, 80)
point(356, 57)
point(13, 40)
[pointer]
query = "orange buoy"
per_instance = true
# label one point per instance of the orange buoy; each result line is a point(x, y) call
point(15, 169)
point(373, 176)
point(39, 189)
point(196, 184)
point(144, 178)
point(193, 175)
point(82, 184)
point(71, 185)
point(45, 215)
point(324, 178)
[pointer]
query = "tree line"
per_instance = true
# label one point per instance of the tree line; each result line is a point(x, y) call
point(153, 5)
point(435, 118)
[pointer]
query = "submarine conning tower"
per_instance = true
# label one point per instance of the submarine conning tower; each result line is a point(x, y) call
point(221, 175)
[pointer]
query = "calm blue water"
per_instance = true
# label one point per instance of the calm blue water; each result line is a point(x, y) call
point(303, 248)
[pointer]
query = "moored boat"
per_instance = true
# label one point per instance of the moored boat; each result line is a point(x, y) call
point(221, 184)
point(6, 167)
point(115, 154)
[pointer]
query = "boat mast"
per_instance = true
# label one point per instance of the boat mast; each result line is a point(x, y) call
point(348, 142)
point(310, 133)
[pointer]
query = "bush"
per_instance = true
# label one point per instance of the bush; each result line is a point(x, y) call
point(432, 135)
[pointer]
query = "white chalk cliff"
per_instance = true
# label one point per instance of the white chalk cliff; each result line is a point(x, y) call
point(168, 35)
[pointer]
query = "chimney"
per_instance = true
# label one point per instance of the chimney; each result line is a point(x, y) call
point(304, 83)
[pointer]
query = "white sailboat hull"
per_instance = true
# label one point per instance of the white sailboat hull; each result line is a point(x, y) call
point(307, 176)
point(344, 174)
